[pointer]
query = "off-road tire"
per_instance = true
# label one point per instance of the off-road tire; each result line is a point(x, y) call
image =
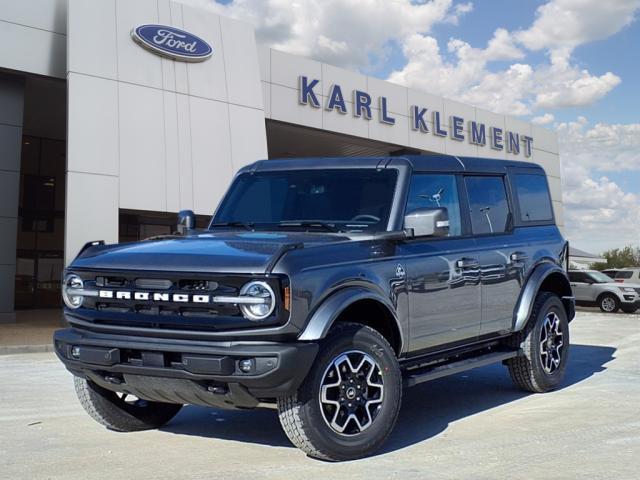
point(626, 309)
point(108, 409)
point(611, 296)
point(526, 370)
point(301, 416)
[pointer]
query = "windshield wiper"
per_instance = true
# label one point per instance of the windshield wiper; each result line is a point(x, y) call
point(246, 225)
point(310, 223)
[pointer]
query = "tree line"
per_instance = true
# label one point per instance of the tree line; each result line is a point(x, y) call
point(619, 258)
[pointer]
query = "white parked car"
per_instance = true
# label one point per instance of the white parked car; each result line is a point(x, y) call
point(591, 287)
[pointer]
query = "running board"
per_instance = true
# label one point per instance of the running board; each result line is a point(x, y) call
point(457, 367)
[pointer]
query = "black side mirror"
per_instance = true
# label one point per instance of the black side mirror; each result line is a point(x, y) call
point(424, 222)
point(186, 221)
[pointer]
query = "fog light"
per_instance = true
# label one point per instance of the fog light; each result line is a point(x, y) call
point(245, 365)
point(75, 351)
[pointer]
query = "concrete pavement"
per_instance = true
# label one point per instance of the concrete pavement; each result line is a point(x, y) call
point(31, 332)
point(475, 425)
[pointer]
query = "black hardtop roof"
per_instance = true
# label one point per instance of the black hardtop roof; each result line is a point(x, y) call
point(420, 163)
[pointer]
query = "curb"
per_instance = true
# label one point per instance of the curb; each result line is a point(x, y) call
point(17, 349)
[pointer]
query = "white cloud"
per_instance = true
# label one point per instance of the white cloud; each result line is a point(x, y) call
point(566, 86)
point(346, 33)
point(603, 147)
point(467, 78)
point(599, 213)
point(565, 24)
point(521, 88)
point(545, 119)
point(502, 47)
point(518, 89)
point(459, 10)
point(503, 92)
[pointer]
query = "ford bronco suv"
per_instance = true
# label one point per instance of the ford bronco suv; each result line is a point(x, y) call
point(322, 287)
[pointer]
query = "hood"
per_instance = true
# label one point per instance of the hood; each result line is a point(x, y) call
point(223, 252)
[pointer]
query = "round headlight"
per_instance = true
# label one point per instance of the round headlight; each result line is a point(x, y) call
point(261, 291)
point(70, 283)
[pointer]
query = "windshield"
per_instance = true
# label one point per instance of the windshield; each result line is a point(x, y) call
point(352, 200)
point(600, 277)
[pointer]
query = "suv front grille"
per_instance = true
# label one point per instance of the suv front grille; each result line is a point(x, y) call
point(184, 301)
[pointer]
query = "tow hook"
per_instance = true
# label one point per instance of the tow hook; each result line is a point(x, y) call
point(112, 379)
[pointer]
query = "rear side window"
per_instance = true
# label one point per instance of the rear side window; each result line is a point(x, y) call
point(624, 275)
point(577, 277)
point(488, 204)
point(533, 197)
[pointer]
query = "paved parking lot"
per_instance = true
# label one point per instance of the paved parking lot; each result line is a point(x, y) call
point(472, 426)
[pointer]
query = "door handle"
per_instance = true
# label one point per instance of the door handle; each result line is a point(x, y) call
point(518, 256)
point(467, 263)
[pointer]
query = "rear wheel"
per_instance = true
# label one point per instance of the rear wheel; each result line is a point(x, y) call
point(545, 346)
point(608, 303)
point(122, 412)
point(629, 309)
point(349, 402)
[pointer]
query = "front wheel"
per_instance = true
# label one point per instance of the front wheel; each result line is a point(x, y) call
point(348, 404)
point(608, 303)
point(121, 412)
point(545, 346)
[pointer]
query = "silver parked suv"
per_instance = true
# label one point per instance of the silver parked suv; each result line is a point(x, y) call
point(591, 287)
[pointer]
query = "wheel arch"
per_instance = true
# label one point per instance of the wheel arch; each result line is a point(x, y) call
point(546, 277)
point(357, 305)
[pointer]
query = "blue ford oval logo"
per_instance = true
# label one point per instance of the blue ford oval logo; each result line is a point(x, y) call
point(172, 42)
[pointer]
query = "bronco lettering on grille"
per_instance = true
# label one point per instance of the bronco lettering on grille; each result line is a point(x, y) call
point(155, 297)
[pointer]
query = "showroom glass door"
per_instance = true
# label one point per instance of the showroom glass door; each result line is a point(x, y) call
point(40, 238)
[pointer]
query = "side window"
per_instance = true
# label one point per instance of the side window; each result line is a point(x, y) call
point(624, 275)
point(488, 204)
point(577, 277)
point(433, 191)
point(533, 198)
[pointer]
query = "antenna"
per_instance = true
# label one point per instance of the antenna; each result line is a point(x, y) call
point(486, 210)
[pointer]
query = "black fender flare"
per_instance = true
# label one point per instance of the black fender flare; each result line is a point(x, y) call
point(532, 287)
point(331, 308)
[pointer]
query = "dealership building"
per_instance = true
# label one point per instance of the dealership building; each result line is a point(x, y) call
point(116, 114)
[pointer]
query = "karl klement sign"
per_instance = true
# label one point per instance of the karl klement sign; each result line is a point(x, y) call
point(478, 133)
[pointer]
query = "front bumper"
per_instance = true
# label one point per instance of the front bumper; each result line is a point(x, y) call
point(630, 300)
point(202, 373)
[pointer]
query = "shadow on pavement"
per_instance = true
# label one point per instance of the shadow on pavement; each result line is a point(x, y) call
point(427, 409)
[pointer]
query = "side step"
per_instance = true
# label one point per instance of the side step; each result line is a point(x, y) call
point(424, 375)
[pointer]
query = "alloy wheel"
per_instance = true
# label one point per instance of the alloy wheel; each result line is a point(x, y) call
point(551, 343)
point(608, 304)
point(351, 392)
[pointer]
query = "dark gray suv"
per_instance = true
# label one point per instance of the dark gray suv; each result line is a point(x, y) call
point(322, 287)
